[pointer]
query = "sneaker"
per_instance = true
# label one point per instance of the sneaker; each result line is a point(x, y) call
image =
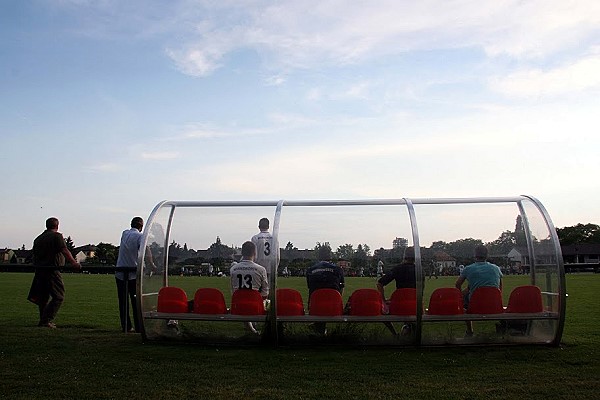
point(250, 328)
point(318, 328)
point(406, 330)
point(173, 323)
point(50, 325)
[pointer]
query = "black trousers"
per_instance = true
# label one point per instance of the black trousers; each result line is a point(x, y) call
point(130, 286)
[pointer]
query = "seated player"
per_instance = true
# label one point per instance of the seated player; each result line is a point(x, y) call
point(405, 277)
point(249, 275)
point(480, 273)
point(324, 274)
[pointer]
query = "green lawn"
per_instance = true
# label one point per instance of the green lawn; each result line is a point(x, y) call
point(87, 357)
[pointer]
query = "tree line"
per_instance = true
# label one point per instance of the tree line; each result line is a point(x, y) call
point(361, 256)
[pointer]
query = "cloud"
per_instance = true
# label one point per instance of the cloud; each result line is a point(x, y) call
point(196, 62)
point(165, 155)
point(495, 151)
point(275, 80)
point(106, 167)
point(205, 131)
point(577, 76)
point(358, 90)
point(291, 34)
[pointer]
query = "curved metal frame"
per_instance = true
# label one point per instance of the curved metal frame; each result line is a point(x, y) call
point(409, 203)
point(562, 305)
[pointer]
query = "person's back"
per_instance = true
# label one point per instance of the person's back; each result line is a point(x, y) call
point(47, 249)
point(125, 272)
point(264, 249)
point(404, 275)
point(247, 274)
point(324, 275)
point(482, 273)
point(129, 248)
point(266, 252)
point(47, 289)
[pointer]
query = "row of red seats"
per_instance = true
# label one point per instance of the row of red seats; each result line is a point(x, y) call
point(443, 301)
point(172, 299)
point(362, 302)
point(486, 300)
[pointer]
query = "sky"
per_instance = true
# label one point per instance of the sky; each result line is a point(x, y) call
point(108, 107)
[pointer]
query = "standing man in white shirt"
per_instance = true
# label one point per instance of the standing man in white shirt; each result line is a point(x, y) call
point(125, 272)
point(266, 248)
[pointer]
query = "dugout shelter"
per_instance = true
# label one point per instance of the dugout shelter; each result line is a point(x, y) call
point(184, 287)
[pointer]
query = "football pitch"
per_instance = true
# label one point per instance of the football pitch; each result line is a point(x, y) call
point(88, 357)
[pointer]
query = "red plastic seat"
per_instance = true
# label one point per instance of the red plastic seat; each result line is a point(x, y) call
point(365, 302)
point(326, 303)
point(446, 301)
point(486, 300)
point(289, 302)
point(172, 300)
point(247, 302)
point(403, 302)
point(209, 301)
point(525, 299)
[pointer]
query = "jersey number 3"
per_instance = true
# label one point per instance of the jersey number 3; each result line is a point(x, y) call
point(267, 250)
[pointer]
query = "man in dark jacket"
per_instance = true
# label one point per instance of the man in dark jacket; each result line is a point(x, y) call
point(47, 289)
point(324, 275)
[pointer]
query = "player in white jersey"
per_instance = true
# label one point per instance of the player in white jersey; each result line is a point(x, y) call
point(249, 275)
point(379, 269)
point(266, 248)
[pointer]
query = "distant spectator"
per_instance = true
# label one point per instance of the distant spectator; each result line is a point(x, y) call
point(379, 268)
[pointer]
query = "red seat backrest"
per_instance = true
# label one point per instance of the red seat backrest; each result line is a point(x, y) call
point(525, 299)
point(365, 302)
point(446, 301)
point(326, 303)
point(209, 301)
point(403, 302)
point(247, 302)
point(486, 300)
point(172, 300)
point(289, 302)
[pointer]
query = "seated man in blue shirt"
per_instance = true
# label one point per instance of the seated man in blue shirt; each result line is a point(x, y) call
point(480, 273)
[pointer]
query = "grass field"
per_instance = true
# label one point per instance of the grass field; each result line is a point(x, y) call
point(88, 357)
